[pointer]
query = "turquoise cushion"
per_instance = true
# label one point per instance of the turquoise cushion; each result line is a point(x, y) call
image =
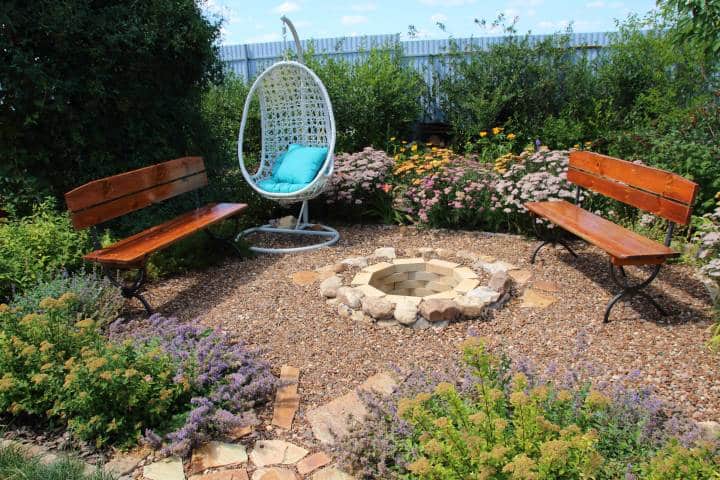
point(271, 185)
point(300, 164)
point(281, 157)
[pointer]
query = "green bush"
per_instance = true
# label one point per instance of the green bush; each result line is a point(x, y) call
point(374, 97)
point(38, 247)
point(117, 87)
point(57, 365)
point(16, 464)
point(676, 462)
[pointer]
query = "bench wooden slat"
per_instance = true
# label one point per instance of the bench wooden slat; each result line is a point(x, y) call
point(129, 203)
point(117, 186)
point(133, 250)
point(663, 207)
point(625, 246)
point(660, 182)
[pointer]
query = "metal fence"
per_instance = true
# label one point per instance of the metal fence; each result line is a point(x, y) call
point(249, 60)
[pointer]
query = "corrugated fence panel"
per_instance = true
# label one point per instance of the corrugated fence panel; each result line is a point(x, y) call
point(426, 56)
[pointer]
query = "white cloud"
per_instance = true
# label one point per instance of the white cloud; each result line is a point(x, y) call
point(596, 4)
point(447, 3)
point(364, 7)
point(556, 25)
point(438, 17)
point(286, 7)
point(353, 19)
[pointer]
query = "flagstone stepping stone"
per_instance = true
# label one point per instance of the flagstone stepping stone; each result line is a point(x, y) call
point(274, 474)
point(312, 463)
point(287, 400)
point(234, 474)
point(382, 383)
point(534, 299)
point(521, 277)
point(331, 473)
point(274, 452)
point(307, 277)
point(384, 252)
point(240, 432)
point(170, 468)
point(500, 282)
point(331, 421)
point(217, 454)
point(124, 464)
point(546, 286)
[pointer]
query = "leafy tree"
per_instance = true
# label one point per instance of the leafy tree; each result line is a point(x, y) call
point(93, 88)
point(698, 22)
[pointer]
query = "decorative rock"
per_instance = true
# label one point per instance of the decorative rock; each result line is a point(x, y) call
point(521, 277)
point(472, 307)
point(484, 294)
point(384, 252)
point(465, 255)
point(351, 297)
point(234, 474)
point(217, 454)
point(170, 468)
point(546, 286)
point(359, 316)
point(344, 311)
point(287, 400)
point(534, 299)
point(312, 463)
point(332, 302)
point(443, 253)
point(437, 326)
point(439, 310)
point(421, 324)
point(378, 308)
point(273, 452)
point(274, 474)
point(305, 278)
point(406, 312)
point(331, 421)
point(360, 262)
point(370, 291)
point(333, 268)
point(494, 267)
point(240, 432)
point(709, 431)
point(382, 383)
point(331, 473)
point(500, 282)
point(286, 222)
point(124, 464)
point(329, 286)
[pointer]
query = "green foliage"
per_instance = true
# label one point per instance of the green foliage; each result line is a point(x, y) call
point(97, 88)
point(675, 462)
point(57, 365)
point(16, 464)
point(38, 247)
point(374, 97)
point(697, 22)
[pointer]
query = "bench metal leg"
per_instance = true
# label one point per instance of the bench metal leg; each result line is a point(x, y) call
point(228, 240)
point(555, 240)
point(630, 290)
point(132, 290)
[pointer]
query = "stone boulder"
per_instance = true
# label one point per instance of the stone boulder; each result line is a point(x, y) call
point(378, 308)
point(329, 286)
point(406, 312)
point(350, 296)
point(439, 310)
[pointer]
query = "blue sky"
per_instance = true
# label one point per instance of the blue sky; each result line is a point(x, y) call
point(258, 21)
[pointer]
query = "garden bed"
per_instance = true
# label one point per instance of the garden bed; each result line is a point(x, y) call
point(555, 320)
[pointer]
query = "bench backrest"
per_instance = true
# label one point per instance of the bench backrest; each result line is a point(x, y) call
point(102, 200)
point(662, 193)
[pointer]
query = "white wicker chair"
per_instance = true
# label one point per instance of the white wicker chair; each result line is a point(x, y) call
point(294, 108)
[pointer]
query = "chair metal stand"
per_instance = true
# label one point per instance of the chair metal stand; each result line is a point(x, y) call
point(630, 290)
point(302, 227)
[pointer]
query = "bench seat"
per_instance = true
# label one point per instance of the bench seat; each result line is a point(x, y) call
point(133, 251)
point(624, 246)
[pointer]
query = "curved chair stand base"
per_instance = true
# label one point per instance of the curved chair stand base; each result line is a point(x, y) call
point(309, 229)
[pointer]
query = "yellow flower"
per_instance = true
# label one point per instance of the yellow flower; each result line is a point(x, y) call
point(496, 130)
point(433, 448)
point(596, 400)
point(511, 136)
point(87, 323)
point(518, 399)
point(500, 424)
point(6, 382)
point(4, 308)
point(67, 297)
point(392, 139)
point(483, 134)
point(96, 363)
point(39, 378)
point(414, 147)
point(442, 422)
point(46, 366)
point(577, 145)
point(45, 346)
point(420, 467)
point(444, 388)
point(27, 351)
point(106, 376)
point(564, 396)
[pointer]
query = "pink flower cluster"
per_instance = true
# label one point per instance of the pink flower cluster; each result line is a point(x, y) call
point(359, 175)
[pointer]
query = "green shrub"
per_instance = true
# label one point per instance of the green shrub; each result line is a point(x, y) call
point(118, 86)
point(57, 365)
point(37, 248)
point(676, 462)
point(374, 97)
point(16, 464)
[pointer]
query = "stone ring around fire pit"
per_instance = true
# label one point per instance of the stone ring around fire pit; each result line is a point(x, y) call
point(420, 293)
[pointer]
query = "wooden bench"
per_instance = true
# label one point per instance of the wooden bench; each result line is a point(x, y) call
point(662, 193)
point(102, 200)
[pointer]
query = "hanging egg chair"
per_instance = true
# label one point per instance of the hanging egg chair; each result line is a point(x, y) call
point(297, 143)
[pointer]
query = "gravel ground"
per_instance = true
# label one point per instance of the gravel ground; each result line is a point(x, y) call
point(257, 300)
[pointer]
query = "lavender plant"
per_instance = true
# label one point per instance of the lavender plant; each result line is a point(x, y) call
point(224, 379)
point(490, 418)
point(708, 240)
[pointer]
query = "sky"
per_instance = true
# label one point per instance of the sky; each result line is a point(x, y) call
point(259, 21)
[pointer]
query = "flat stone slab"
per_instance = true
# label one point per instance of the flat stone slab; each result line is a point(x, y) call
point(534, 299)
point(217, 454)
point(331, 421)
point(382, 383)
point(287, 400)
point(521, 277)
point(305, 278)
point(312, 463)
point(274, 473)
point(276, 452)
point(331, 473)
point(170, 468)
point(124, 464)
point(546, 286)
point(234, 474)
